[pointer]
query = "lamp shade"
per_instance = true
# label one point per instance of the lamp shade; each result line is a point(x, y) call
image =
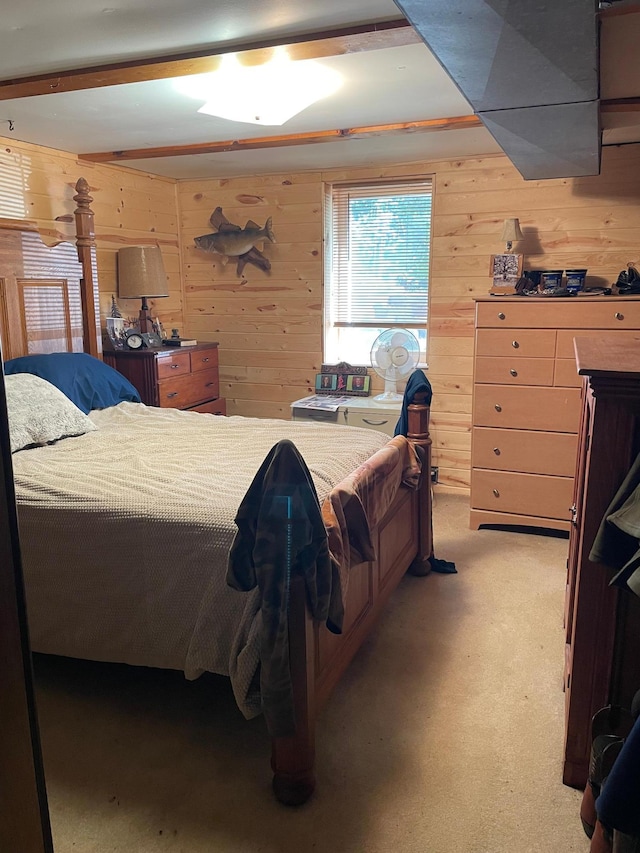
point(141, 272)
point(511, 231)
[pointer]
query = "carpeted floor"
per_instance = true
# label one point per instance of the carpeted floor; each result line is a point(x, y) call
point(445, 736)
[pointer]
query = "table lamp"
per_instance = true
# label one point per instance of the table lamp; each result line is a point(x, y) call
point(510, 233)
point(141, 275)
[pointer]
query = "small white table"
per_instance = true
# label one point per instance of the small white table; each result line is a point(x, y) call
point(381, 415)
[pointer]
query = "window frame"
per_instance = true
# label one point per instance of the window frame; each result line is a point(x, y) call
point(336, 224)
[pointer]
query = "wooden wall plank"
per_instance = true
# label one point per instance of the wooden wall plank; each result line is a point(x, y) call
point(269, 325)
point(586, 222)
point(131, 208)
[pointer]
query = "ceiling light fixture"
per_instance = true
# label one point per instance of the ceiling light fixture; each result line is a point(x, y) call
point(267, 94)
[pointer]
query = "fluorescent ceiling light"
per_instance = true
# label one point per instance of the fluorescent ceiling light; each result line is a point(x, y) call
point(261, 94)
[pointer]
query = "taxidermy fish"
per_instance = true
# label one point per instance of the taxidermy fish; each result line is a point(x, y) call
point(230, 240)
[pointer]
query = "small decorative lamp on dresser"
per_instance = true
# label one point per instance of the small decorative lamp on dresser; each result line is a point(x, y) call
point(177, 378)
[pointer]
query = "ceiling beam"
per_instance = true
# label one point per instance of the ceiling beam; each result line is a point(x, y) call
point(428, 125)
point(620, 105)
point(315, 45)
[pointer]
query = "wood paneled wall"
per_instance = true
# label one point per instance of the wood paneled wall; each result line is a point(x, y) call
point(131, 208)
point(269, 325)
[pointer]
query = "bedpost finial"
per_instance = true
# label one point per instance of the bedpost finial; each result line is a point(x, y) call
point(82, 197)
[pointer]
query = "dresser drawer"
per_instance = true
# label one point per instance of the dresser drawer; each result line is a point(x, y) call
point(525, 451)
point(525, 494)
point(517, 343)
point(566, 373)
point(173, 364)
point(318, 415)
point(213, 407)
point(514, 371)
point(523, 407)
point(182, 392)
point(517, 314)
point(566, 349)
point(573, 313)
point(379, 421)
point(204, 359)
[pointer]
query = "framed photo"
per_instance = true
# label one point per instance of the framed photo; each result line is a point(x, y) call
point(116, 332)
point(152, 339)
point(505, 271)
point(358, 384)
point(326, 382)
point(343, 379)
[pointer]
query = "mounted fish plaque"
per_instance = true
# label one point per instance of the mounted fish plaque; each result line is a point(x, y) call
point(231, 241)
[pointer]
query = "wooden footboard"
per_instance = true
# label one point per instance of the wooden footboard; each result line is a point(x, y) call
point(318, 658)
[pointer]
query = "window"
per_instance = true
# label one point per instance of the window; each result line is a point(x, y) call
point(377, 240)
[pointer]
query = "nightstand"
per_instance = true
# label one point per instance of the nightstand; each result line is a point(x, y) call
point(173, 377)
point(381, 415)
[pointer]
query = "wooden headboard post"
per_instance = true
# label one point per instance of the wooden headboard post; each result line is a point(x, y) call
point(418, 431)
point(86, 245)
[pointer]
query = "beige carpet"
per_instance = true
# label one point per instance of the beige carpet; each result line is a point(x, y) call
point(445, 736)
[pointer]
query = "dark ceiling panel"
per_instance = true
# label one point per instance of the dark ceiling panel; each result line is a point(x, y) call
point(510, 55)
point(507, 54)
point(558, 141)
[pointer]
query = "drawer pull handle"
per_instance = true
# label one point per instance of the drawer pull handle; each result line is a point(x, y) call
point(172, 394)
point(619, 316)
point(513, 371)
point(205, 360)
point(501, 316)
point(496, 493)
point(209, 384)
point(174, 366)
point(496, 450)
point(515, 344)
point(374, 423)
point(498, 407)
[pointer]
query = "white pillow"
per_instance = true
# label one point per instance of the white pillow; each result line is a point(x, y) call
point(39, 413)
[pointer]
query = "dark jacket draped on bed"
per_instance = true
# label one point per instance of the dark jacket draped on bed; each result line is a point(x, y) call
point(280, 532)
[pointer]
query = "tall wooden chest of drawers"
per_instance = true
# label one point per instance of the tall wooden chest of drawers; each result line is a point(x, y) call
point(173, 377)
point(526, 403)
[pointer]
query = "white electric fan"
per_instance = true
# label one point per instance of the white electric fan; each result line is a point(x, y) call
point(394, 356)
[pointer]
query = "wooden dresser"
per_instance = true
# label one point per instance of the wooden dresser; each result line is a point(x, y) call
point(526, 403)
point(173, 377)
point(602, 623)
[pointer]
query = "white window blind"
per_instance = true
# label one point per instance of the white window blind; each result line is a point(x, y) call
point(377, 242)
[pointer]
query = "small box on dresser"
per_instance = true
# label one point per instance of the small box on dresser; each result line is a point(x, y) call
point(526, 403)
point(173, 377)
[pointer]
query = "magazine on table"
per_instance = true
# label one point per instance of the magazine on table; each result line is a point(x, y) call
point(325, 402)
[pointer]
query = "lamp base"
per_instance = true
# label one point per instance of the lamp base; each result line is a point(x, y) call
point(144, 317)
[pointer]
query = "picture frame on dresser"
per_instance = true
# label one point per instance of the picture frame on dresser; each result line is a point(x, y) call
point(116, 332)
point(505, 271)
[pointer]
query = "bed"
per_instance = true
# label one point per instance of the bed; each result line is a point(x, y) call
point(146, 591)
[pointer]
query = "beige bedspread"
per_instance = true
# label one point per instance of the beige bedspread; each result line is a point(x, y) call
point(125, 534)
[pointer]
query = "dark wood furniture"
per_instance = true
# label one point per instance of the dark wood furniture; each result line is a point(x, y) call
point(602, 623)
point(403, 537)
point(173, 377)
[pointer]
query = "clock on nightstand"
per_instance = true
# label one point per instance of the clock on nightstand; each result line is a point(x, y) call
point(176, 378)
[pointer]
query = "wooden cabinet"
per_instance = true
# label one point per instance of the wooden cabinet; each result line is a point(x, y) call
point(526, 402)
point(602, 623)
point(364, 412)
point(173, 377)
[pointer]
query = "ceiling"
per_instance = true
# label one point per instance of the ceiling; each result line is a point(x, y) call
point(393, 85)
point(389, 85)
